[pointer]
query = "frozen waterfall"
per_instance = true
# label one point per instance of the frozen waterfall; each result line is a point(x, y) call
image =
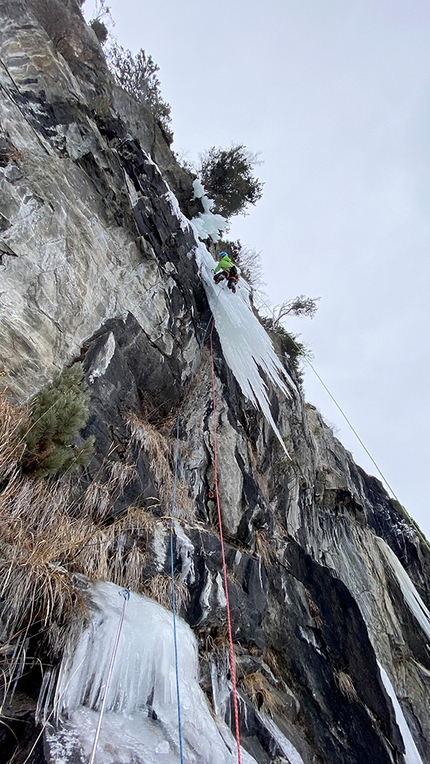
point(247, 348)
point(140, 725)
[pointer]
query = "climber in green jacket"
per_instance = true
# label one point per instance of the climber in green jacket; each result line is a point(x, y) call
point(226, 269)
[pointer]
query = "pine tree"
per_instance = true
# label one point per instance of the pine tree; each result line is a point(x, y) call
point(227, 177)
point(58, 412)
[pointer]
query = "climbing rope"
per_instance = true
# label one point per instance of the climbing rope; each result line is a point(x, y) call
point(224, 564)
point(172, 533)
point(172, 573)
point(360, 440)
point(126, 594)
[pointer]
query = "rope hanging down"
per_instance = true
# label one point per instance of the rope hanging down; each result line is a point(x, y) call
point(126, 594)
point(224, 565)
point(172, 557)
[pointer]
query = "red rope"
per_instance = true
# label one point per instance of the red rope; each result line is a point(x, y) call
point(224, 565)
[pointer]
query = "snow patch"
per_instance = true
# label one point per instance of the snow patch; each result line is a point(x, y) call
point(411, 752)
point(410, 594)
point(174, 204)
point(207, 224)
point(103, 358)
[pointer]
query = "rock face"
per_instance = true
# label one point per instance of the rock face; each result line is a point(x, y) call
point(97, 268)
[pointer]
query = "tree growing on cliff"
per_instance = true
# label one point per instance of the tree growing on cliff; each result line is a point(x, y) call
point(298, 306)
point(138, 76)
point(228, 179)
point(99, 27)
point(59, 411)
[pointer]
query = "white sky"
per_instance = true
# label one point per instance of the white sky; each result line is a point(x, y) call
point(335, 96)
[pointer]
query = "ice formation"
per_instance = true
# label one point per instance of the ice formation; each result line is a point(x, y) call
point(412, 755)
point(185, 550)
point(207, 224)
point(247, 347)
point(140, 725)
point(103, 358)
point(287, 748)
point(410, 594)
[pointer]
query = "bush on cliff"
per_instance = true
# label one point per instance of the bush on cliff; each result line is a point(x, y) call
point(138, 76)
point(100, 29)
point(59, 411)
point(227, 176)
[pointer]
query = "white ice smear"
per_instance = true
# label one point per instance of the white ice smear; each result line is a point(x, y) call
point(410, 594)
point(246, 345)
point(140, 725)
point(283, 743)
point(103, 358)
point(207, 224)
point(185, 550)
point(411, 752)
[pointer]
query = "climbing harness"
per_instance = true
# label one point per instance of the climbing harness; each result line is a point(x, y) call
point(126, 594)
point(224, 564)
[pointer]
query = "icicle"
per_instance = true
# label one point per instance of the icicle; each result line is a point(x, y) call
point(140, 723)
point(221, 688)
point(246, 345)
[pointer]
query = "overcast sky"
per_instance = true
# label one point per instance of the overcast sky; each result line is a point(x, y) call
point(335, 96)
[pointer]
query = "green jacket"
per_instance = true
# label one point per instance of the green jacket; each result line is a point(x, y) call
point(224, 264)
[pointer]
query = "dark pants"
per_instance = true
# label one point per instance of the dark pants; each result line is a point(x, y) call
point(230, 275)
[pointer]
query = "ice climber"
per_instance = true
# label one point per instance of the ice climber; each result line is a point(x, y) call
point(226, 269)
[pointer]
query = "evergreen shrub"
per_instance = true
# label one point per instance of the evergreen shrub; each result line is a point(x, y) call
point(227, 176)
point(58, 412)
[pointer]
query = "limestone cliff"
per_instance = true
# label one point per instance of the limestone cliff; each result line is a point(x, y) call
point(327, 578)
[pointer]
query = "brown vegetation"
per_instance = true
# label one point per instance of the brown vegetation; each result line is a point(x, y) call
point(50, 533)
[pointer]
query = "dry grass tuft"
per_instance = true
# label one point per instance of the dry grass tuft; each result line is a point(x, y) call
point(160, 451)
point(264, 549)
point(314, 610)
point(118, 552)
point(271, 660)
point(12, 445)
point(38, 594)
point(159, 588)
point(346, 686)
point(102, 493)
point(259, 692)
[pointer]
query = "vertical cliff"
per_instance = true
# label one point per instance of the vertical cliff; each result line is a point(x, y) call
point(328, 581)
